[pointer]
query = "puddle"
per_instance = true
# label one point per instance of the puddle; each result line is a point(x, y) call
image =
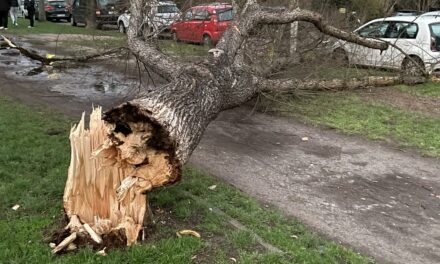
point(89, 82)
point(9, 62)
point(34, 71)
point(10, 53)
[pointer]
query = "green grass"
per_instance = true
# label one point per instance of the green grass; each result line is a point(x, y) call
point(430, 89)
point(349, 113)
point(34, 156)
point(48, 27)
point(171, 47)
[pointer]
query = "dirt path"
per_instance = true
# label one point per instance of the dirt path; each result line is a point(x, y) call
point(379, 200)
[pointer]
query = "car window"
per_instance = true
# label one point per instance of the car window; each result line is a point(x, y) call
point(201, 14)
point(57, 3)
point(374, 30)
point(403, 30)
point(435, 29)
point(225, 14)
point(167, 9)
point(188, 15)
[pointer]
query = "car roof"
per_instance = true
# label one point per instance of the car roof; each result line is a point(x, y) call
point(161, 3)
point(425, 18)
point(214, 6)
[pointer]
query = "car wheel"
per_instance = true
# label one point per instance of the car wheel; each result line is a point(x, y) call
point(99, 26)
point(340, 56)
point(121, 27)
point(72, 21)
point(207, 41)
point(413, 66)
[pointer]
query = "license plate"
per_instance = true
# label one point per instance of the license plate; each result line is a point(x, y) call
point(61, 15)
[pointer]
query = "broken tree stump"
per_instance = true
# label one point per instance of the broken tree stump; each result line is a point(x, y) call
point(111, 170)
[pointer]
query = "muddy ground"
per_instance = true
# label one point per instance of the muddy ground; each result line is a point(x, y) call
point(380, 200)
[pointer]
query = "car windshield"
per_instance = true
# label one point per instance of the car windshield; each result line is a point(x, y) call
point(225, 14)
point(167, 9)
point(57, 3)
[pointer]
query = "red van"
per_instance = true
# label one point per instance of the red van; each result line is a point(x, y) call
point(203, 24)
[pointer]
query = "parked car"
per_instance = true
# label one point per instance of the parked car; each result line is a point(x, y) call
point(56, 10)
point(416, 36)
point(107, 12)
point(203, 24)
point(162, 14)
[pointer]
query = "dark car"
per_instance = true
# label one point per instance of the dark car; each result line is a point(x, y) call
point(107, 12)
point(56, 10)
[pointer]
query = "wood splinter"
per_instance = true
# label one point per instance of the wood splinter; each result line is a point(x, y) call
point(66, 242)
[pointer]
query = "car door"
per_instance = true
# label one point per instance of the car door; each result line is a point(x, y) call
point(367, 56)
point(183, 27)
point(197, 24)
point(404, 36)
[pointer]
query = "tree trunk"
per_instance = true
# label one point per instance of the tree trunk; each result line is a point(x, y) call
point(143, 144)
point(41, 12)
point(91, 10)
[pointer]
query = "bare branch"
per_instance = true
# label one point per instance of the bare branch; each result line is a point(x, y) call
point(255, 16)
point(292, 86)
point(46, 60)
point(145, 50)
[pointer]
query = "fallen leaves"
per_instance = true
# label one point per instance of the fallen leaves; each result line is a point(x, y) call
point(15, 207)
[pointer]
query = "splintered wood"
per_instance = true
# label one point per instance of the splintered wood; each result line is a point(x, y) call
point(109, 175)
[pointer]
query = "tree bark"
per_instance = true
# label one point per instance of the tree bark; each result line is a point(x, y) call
point(143, 144)
point(41, 11)
point(91, 14)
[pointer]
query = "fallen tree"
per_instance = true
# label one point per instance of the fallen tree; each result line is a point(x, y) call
point(143, 144)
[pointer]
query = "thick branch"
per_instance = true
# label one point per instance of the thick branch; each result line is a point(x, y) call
point(255, 16)
point(295, 85)
point(145, 50)
point(45, 60)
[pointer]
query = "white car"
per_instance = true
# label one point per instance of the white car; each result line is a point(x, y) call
point(416, 36)
point(162, 14)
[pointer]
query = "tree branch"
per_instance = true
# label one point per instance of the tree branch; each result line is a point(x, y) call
point(289, 86)
point(255, 16)
point(46, 61)
point(145, 50)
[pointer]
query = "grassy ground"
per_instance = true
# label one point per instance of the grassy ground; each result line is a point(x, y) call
point(34, 156)
point(349, 113)
point(430, 89)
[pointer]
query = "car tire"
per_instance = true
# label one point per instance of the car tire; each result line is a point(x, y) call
point(413, 66)
point(99, 26)
point(340, 56)
point(122, 28)
point(207, 41)
point(72, 21)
